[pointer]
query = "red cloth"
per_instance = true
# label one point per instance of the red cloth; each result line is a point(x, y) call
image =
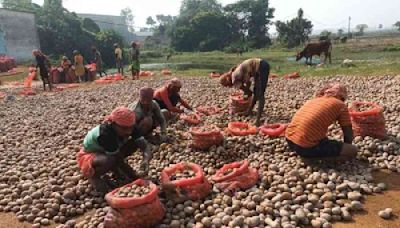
point(122, 116)
point(85, 163)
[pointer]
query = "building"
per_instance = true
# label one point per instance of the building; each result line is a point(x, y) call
point(118, 24)
point(18, 34)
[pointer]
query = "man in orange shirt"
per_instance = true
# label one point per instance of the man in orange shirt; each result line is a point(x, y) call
point(306, 134)
point(168, 97)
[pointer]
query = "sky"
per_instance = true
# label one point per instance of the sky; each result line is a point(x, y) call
point(325, 14)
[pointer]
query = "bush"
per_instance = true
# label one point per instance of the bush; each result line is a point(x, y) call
point(152, 54)
point(105, 41)
point(392, 48)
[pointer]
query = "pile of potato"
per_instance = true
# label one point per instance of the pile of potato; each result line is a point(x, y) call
point(133, 191)
point(40, 136)
point(185, 174)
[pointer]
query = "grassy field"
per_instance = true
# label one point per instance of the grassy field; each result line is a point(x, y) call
point(372, 56)
point(369, 56)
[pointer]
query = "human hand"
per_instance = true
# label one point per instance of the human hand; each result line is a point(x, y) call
point(144, 167)
point(163, 138)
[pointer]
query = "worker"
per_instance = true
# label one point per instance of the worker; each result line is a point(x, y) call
point(106, 146)
point(240, 77)
point(43, 63)
point(135, 63)
point(168, 97)
point(149, 115)
point(119, 61)
point(306, 134)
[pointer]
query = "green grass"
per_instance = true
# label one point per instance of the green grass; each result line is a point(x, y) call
point(369, 58)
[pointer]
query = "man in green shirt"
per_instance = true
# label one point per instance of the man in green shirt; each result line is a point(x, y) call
point(106, 147)
point(148, 114)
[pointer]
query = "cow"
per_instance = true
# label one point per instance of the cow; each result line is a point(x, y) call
point(316, 49)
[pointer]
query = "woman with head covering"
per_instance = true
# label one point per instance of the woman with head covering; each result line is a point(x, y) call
point(99, 61)
point(43, 63)
point(79, 67)
point(148, 114)
point(241, 76)
point(107, 145)
point(65, 66)
point(168, 96)
point(306, 134)
point(135, 64)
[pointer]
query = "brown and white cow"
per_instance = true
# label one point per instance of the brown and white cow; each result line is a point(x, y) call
point(316, 49)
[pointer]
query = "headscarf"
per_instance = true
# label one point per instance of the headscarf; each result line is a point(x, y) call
point(121, 116)
point(35, 52)
point(226, 79)
point(333, 90)
point(175, 82)
point(236, 75)
point(146, 93)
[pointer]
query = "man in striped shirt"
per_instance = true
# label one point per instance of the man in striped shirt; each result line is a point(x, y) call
point(306, 134)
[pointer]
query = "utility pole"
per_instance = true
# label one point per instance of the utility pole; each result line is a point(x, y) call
point(348, 31)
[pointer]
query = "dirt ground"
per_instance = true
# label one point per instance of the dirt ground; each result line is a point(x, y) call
point(373, 204)
point(367, 219)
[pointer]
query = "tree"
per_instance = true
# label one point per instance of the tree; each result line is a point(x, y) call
point(190, 8)
point(164, 19)
point(198, 26)
point(90, 25)
point(150, 22)
point(128, 17)
point(361, 28)
point(340, 32)
point(253, 18)
point(23, 5)
point(294, 32)
point(105, 41)
point(397, 24)
point(325, 35)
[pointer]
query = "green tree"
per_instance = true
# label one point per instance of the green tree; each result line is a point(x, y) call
point(397, 24)
point(253, 18)
point(150, 22)
point(361, 28)
point(198, 26)
point(294, 32)
point(23, 5)
point(340, 32)
point(190, 8)
point(105, 41)
point(325, 35)
point(90, 25)
point(129, 19)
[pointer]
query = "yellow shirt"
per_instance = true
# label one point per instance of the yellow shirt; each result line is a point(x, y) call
point(118, 53)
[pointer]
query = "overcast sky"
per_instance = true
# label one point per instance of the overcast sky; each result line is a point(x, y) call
point(325, 14)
